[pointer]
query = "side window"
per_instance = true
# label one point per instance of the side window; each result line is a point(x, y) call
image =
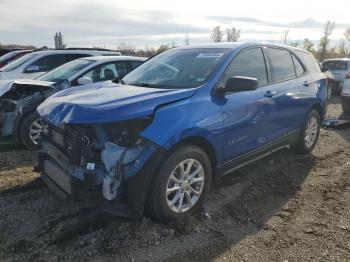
point(309, 61)
point(135, 64)
point(108, 71)
point(46, 63)
point(299, 70)
point(122, 69)
point(282, 63)
point(249, 63)
point(71, 57)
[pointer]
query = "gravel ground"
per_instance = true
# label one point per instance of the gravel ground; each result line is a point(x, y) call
point(285, 207)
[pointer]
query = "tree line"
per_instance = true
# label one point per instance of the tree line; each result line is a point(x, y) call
point(321, 51)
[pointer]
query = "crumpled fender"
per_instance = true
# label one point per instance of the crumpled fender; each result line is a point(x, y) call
point(6, 85)
point(186, 118)
point(106, 103)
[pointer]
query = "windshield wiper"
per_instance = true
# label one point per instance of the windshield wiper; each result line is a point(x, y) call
point(141, 84)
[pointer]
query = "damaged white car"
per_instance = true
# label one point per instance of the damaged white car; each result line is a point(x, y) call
point(19, 99)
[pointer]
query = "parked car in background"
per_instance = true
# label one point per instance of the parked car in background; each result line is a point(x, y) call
point(19, 98)
point(178, 122)
point(4, 51)
point(330, 82)
point(339, 67)
point(345, 95)
point(38, 63)
point(11, 56)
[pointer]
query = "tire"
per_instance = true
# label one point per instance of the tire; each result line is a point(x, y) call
point(25, 134)
point(346, 108)
point(159, 202)
point(311, 129)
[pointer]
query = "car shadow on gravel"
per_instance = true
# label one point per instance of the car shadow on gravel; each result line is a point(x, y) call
point(39, 225)
point(249, 198)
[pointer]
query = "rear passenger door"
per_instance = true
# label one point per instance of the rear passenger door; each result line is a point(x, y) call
point(289, 91)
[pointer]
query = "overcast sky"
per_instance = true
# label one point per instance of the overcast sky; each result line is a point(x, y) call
point(149, 23)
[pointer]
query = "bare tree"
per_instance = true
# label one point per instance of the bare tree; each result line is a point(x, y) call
point(347, 34)
point(126, 49)
point(308, 45)
point(324, 42)
point(285, 35)
point(217, 34)
point(187, 40)
point(233, 34)
point(341, 50)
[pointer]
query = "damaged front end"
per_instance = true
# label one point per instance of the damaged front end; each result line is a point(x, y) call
point(18, 98)
point(96, 162)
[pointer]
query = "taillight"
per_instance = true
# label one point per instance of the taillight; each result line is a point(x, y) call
point(347, 76)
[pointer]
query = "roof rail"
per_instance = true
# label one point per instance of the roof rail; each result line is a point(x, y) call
point(89, 48)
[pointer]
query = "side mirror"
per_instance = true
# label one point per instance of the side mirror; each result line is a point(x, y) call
point(116, 80)
point(32, 69)
point(85, 80)
point(238, 84)
point(323, 69)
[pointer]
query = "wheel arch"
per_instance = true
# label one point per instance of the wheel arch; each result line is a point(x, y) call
point(317, 106)
point(206, 146)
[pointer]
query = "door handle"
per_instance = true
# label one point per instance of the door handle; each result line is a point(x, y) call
point(307, 83)
point(270, 94)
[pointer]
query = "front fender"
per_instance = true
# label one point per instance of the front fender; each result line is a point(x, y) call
point(187, 118)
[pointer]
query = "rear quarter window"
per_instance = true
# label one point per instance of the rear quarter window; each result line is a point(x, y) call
point(309, 61)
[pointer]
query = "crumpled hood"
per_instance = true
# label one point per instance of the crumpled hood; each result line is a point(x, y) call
point(105, 103)
point(6, 85)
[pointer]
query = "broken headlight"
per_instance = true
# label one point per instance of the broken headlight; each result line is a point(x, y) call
point(126, 133)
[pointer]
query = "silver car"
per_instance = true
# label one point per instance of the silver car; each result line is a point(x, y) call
point(339, 67)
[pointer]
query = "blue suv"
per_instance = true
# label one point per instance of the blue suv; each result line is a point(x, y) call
point(156, 141)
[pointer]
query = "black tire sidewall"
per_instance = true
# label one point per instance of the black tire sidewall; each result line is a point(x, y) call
point(24, 130)
point(161, 210)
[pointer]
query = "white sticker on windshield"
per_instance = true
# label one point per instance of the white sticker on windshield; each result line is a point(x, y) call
point(210, 55)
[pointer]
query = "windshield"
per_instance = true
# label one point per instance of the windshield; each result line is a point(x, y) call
point(8, 56)
point(178, 68)
point(65, 71)
point(18, 62)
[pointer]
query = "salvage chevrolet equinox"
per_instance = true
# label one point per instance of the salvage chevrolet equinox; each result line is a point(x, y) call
point(155, 142)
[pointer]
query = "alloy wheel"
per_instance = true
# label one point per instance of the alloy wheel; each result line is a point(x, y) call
point(311, 132)
point(185, 185)
point(36, 129)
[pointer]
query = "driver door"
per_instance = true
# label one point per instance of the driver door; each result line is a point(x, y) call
point(247, 115)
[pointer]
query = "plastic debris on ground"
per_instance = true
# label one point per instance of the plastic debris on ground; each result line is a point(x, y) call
point(335, 123)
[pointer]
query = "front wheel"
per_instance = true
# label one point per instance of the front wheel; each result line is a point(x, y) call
point(309, 134)
point(181, 184)
point(31, 129)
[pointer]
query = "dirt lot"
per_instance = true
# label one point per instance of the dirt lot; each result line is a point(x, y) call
point(285, 207)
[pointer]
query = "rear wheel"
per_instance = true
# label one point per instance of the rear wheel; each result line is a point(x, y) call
point(309, 134)
point(31, 129)
point(346, 107)
point(181, 184)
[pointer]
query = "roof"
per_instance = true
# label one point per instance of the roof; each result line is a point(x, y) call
point(115, 58)
point(234, 45)
point(92, 52)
